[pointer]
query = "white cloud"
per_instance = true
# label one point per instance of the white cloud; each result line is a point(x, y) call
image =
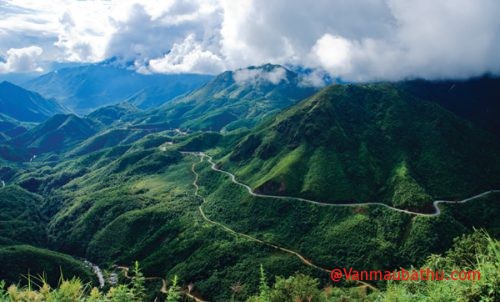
point(355, 40)
point(315, 78)
point(333, 53)
point(146, 36)
point(455, 39)
point(21, 60)
point(187, 56)
point(254, 75)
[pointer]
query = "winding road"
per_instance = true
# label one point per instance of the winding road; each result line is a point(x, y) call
point(437, 210)
point(229, 230)
point(303, 259)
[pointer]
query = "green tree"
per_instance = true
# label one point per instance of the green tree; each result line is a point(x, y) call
point(121, 293)
point(263, 286)
point(174, 292)
point(299, 288)
point(138, 281)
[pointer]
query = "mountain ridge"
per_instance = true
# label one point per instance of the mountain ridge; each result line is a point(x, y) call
point(87, 87)
point(366, 138)
point(25, 105)
point(235, 99)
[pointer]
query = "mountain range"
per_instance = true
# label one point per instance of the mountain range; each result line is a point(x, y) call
point(26, 106)
point(368, 143)
point(130, 178)
point(235, 99)
point(88, 87)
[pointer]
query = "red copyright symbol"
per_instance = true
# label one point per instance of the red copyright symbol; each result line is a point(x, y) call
point(336, 275)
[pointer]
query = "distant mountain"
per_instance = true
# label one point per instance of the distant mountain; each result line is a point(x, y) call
point(88, 87)
point(158, 95)
point(114, 114)
point(7, 123)
point(477, 100)
point(26, 106)
point(60, 132)
point(235, 99)
point(10, 127)
point(367, 143)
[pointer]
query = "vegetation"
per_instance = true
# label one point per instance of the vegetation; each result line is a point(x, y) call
point(74, 290)
point(20, 261)
point(126, 193)
point(477, 252)
point(227, 103)
point(367, 143)
point(474, 252)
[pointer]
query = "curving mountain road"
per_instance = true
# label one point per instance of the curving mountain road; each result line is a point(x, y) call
point(437, 210)
point(229, 230)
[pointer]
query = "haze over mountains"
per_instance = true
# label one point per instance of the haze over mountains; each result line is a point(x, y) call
point(26, 106)
point(87, 87)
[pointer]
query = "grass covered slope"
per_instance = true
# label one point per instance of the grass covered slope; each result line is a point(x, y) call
point(20, 260)
point(60, 132)
point(235, 99)
point(368, 142)
point(21, 220)
point(22, 227)
point(114, 114)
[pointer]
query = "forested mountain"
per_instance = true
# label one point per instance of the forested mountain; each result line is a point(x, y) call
point(235, 99)
point(370, 142)
point(117, 185)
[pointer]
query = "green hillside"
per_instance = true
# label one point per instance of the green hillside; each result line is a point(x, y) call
point(368, 143)
point(58, 133)
point(114, 114)
point(21, 220)
point(235, 99)
point(20, 260)
point(122, 193)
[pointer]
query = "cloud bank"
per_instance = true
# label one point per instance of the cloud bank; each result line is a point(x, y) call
point(357, 40)
point(21, 60)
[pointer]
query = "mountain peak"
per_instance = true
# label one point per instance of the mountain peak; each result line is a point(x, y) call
point(9, 84)
point(116, 61)
point(263, 74)
point(266, 67)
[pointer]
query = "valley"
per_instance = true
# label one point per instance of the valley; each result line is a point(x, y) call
point(367, 176)
point(249, 151)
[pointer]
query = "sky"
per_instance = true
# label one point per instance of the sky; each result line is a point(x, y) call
point(357, 40)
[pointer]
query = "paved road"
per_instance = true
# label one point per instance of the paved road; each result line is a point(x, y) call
point(229, 230)
point(437, 210)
